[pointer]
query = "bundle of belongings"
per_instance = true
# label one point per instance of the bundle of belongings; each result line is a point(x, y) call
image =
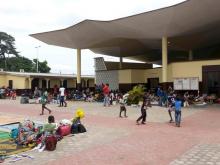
point(19, 139)
point(45, 136)
point(77, 126)
point(26, 133)
point(53, 132)
point(30, 134)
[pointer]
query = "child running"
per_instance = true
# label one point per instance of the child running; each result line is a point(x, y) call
point(146, 103)
point(122, 108)
point(44, 102)
point(171, 105)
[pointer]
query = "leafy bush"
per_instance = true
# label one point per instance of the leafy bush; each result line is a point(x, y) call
point(136, 94)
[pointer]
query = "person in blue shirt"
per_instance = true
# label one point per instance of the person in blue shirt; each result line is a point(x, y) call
point(178, 104)
point(160, 95)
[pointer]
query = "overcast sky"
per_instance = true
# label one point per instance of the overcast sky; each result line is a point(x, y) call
point(20, 18)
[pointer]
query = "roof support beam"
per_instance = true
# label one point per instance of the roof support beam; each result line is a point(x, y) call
point(78, 68)
point(164, 59)
point(30, 82)
point(190, 55)
point(120, 62)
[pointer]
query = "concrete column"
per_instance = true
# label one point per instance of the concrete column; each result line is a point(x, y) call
point(78, 68)
point(164, 59)
point(47, 82)
point(40, 83)
point(120, 63)
point(76, 84)
point(85, 81)
point(30, 82)
point(61, 82)
point(190, 55)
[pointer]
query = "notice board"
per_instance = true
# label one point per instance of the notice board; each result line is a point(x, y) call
point(187, 83)
point(178, 84)
point(194, 83)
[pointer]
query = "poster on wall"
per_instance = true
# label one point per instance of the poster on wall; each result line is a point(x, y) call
point(178, 84)
point(191, 83)
point(186, 84)
point(194, 83)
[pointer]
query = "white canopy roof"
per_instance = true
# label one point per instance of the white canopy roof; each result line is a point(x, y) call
point(189, 25)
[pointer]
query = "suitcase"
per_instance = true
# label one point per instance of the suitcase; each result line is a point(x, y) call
point(64, 130)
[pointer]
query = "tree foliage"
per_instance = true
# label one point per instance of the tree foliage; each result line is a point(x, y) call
point(42, 66)
point(7, 45)
point(136, 94)
point(16, 62)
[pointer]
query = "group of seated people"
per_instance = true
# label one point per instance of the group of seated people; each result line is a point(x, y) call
point(187, 98)
point(198, 98)
point(3, 92)
point(46, 136)
point(7, 93)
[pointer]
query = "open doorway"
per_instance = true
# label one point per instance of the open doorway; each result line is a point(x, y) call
point(152, 83)
point(211, 79)
point(35, 83)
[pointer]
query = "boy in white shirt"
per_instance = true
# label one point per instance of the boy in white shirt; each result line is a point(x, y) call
point(62, 95)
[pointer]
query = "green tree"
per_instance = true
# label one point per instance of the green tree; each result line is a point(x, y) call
point(42, 66)
point(7, 47)
point(16, 63)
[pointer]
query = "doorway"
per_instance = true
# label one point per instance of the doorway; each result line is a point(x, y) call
point(65, 84)
point(211, 79)
point(10, 84)
point(152, 83)
point(44, 84)
point(35, 83)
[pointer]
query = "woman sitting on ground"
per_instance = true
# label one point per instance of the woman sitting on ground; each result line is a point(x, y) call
point(48, 129)
point(51, 126)
point(198, 99)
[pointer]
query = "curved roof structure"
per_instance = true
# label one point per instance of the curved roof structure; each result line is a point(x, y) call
point(192, 24)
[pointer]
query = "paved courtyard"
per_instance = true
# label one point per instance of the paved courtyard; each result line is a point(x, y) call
point(112, 140)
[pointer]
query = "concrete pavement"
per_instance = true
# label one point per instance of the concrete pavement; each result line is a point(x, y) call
point(113, 140)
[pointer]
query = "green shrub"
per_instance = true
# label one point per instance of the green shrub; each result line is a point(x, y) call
point(136, 94)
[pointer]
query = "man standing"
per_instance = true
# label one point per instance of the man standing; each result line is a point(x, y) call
point(106, 91)
point(160, 95)
point(62, 95)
